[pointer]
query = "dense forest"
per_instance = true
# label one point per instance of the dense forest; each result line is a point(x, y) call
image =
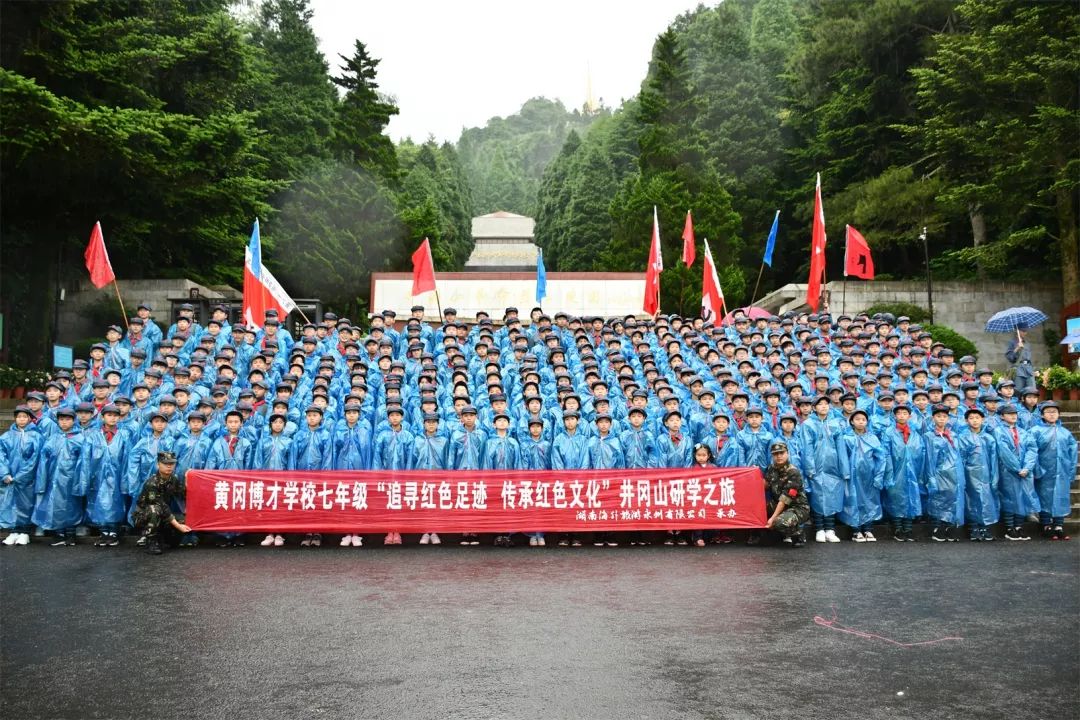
point(177, 122)
point(958, 117)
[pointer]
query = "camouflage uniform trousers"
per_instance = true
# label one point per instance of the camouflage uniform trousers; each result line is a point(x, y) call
point(154, 521)
point(789, 522)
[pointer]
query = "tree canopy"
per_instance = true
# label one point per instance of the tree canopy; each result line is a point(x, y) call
point(176, 124)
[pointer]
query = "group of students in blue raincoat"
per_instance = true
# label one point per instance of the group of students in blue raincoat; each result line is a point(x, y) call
point(881, 421)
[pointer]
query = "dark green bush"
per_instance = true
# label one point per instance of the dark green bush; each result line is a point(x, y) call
point(916, 313)
point(952, 340)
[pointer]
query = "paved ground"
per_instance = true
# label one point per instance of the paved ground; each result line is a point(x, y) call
point(450, 632)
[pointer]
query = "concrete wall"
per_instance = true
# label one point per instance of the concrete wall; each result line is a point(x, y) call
point(75, 325)
point(963, 306)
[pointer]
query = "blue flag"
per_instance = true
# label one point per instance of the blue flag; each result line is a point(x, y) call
point(771, 243)
point(541, 279)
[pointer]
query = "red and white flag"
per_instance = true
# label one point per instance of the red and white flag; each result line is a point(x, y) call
point(97, 259)
point(712, 296)
point(688, 254)
point(817, 251)
point(262, 291)
point(656, 266)
point(423, 269)
point(857, 259)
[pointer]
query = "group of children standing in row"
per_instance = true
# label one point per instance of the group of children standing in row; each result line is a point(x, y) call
point(877, 417)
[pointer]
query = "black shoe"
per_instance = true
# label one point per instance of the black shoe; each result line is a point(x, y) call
point(1023, 535)
point(951, 533)
point(798, 540)
point(1013, 533)
point(754, 539)
point(112, 540)
point(503, 541)
point(940, 535)
point(898, 536)
point(153, 546)
point(975, 535)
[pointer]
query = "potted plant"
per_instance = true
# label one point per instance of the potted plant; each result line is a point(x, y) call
point(1074, 387)
point(1057, 380)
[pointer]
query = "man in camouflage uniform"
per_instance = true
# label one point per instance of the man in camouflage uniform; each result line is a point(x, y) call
point(787, 503)
point(152, 514)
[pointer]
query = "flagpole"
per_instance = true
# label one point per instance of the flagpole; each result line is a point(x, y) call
point(438, 303)
point(122, 310)
point(843, 301)
point(759, 272)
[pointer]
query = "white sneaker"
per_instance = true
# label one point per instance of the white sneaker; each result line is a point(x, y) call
point(425, 539)
point(819, 536)
point(858, 537)
point(830, 536)
point(869, 536)
point(268, 540)
point(435, 539)
point(306, 542)
point(787, 540)
point(357, 541)
point(23, 539)
point(540, 542)
point(532, 542)
point(11, 538)
point(346, 541)
point(279, 541)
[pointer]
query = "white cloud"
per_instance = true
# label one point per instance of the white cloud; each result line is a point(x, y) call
point(453, 65)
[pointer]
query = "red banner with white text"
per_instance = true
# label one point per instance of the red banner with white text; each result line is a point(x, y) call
point(487, 501)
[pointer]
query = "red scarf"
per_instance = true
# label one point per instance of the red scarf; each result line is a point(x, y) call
point(904, 430)
point(232, 444)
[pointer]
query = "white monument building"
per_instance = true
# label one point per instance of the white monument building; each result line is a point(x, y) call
point(503, 243)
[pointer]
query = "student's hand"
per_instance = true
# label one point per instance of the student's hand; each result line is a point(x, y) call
point(770, 523)
point(8, 480)
point(183, 528)
point(1023, 473)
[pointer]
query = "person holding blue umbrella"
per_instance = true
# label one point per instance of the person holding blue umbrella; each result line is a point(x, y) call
point(1018, 320)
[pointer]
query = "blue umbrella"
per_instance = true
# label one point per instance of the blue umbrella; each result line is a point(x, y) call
point(1016, 318)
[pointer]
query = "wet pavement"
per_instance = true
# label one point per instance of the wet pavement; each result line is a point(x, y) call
point(452, 632)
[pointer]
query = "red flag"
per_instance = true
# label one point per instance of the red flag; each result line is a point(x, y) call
point(97, 259)
point(656, 266)
point(712, 297)
point(857, 260)
point(688, 241)
point(423, 269)
point(817, 251)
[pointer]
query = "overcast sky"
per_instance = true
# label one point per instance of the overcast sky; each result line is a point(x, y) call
point(455, 64)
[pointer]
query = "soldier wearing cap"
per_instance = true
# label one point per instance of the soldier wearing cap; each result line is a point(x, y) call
point(152, 513)
point(787, 503)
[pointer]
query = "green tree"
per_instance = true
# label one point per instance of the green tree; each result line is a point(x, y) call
point(132, 113)
point(362, 117)
point(334, 228)
point(999, 103)
point(295, 99)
